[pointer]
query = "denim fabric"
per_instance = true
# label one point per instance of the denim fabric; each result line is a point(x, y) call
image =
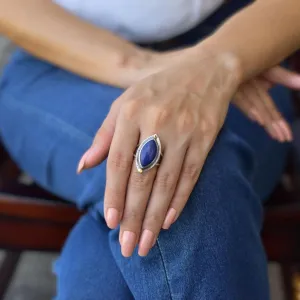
point(48, 118)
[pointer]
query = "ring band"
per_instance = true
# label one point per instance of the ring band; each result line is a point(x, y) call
point(148, 153)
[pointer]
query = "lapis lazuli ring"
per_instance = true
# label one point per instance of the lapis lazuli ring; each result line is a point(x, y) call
point(148, 153)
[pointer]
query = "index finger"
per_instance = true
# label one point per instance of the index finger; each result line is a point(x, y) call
point(119, 164)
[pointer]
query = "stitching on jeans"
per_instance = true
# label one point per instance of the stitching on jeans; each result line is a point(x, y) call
point(165, 269)
point(59, 123)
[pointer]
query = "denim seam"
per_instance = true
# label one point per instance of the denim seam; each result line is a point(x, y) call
point(165, 269)
point(55, 122)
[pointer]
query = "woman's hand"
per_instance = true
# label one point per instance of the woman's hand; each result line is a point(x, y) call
point(185, 105)
point(252, 96)
point(253, 99)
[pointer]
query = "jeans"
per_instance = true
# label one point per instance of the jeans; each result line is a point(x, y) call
point(48, 118)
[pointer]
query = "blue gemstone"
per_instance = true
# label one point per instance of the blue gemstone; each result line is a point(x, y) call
point(148, 153)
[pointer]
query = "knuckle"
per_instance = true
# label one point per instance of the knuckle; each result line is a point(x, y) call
point(113, 194)
point(153, 221)
point(186, 122)
point(139, 181)
point(130, 109)
point(166, 181)
point(180, 200)
point(119, 162)
point(132, 216)
point(113, 197)
point(115, 106)
point(160, 117)
point(207, 126)
point(191, 171)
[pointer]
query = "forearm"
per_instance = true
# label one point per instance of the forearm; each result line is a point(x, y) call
point(259, 36)
point(51, 33)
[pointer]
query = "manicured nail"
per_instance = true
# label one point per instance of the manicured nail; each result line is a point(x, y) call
point(170, 218)
point(283, 137)
point(286, 129)
point(277, 132)
point(120, 236)
point(282, 130)
point(146, 242)
point(81, 164)
point(251, 116)
point(112, 218)
point(128, 243)
point(271, 132)
point(154, 242)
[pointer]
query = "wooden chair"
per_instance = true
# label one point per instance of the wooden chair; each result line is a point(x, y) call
point(32, 219)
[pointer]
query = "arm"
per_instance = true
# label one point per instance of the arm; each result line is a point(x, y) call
point(51, 33)
point(259, 36)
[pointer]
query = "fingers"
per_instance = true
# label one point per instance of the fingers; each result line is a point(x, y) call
point(253, 99)
point(119, 164)
point(246, 106)
point(281, 127)
point(162, 192)
point(101, 144)
point(189, 174)
point(137, 196)
point(257, 100)
point(283, 76)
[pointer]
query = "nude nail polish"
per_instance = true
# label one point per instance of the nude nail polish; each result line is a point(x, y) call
point(170, 218)
point(128, 243)
point(146, 242)
point(81, 164)
point(112, 218)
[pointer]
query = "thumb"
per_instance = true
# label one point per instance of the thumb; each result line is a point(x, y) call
point(283, 76)
point(98, 151)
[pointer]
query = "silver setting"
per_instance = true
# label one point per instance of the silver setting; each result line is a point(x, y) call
point(158, 156)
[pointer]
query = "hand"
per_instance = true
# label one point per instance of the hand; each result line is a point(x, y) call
point(148, 62)
point(185, 105)
point(253, 99)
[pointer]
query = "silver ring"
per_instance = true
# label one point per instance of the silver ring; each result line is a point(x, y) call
point(148, 153)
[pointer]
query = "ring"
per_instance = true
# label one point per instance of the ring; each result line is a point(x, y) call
point(148, 153)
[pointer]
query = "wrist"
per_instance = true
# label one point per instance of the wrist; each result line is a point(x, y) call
point(136, 63)
point(226, 57)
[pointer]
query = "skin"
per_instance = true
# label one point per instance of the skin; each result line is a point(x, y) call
point(182, 96)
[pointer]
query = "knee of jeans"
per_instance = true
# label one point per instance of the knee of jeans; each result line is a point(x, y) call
point(223, 197)
point(230, 151)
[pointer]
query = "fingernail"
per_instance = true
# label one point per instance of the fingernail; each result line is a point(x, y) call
point(271, 132)
point(112, 218)
point(128, 243)
point(154, 242)
point(146, 242)
point(81, 164)
point(170, 218)
point(287, 130)
point(278, 131)
point(120, 237)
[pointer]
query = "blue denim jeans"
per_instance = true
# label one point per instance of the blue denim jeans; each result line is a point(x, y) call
point(48, 118)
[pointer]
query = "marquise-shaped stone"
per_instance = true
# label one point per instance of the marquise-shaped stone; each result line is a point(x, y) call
point(148, 153)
